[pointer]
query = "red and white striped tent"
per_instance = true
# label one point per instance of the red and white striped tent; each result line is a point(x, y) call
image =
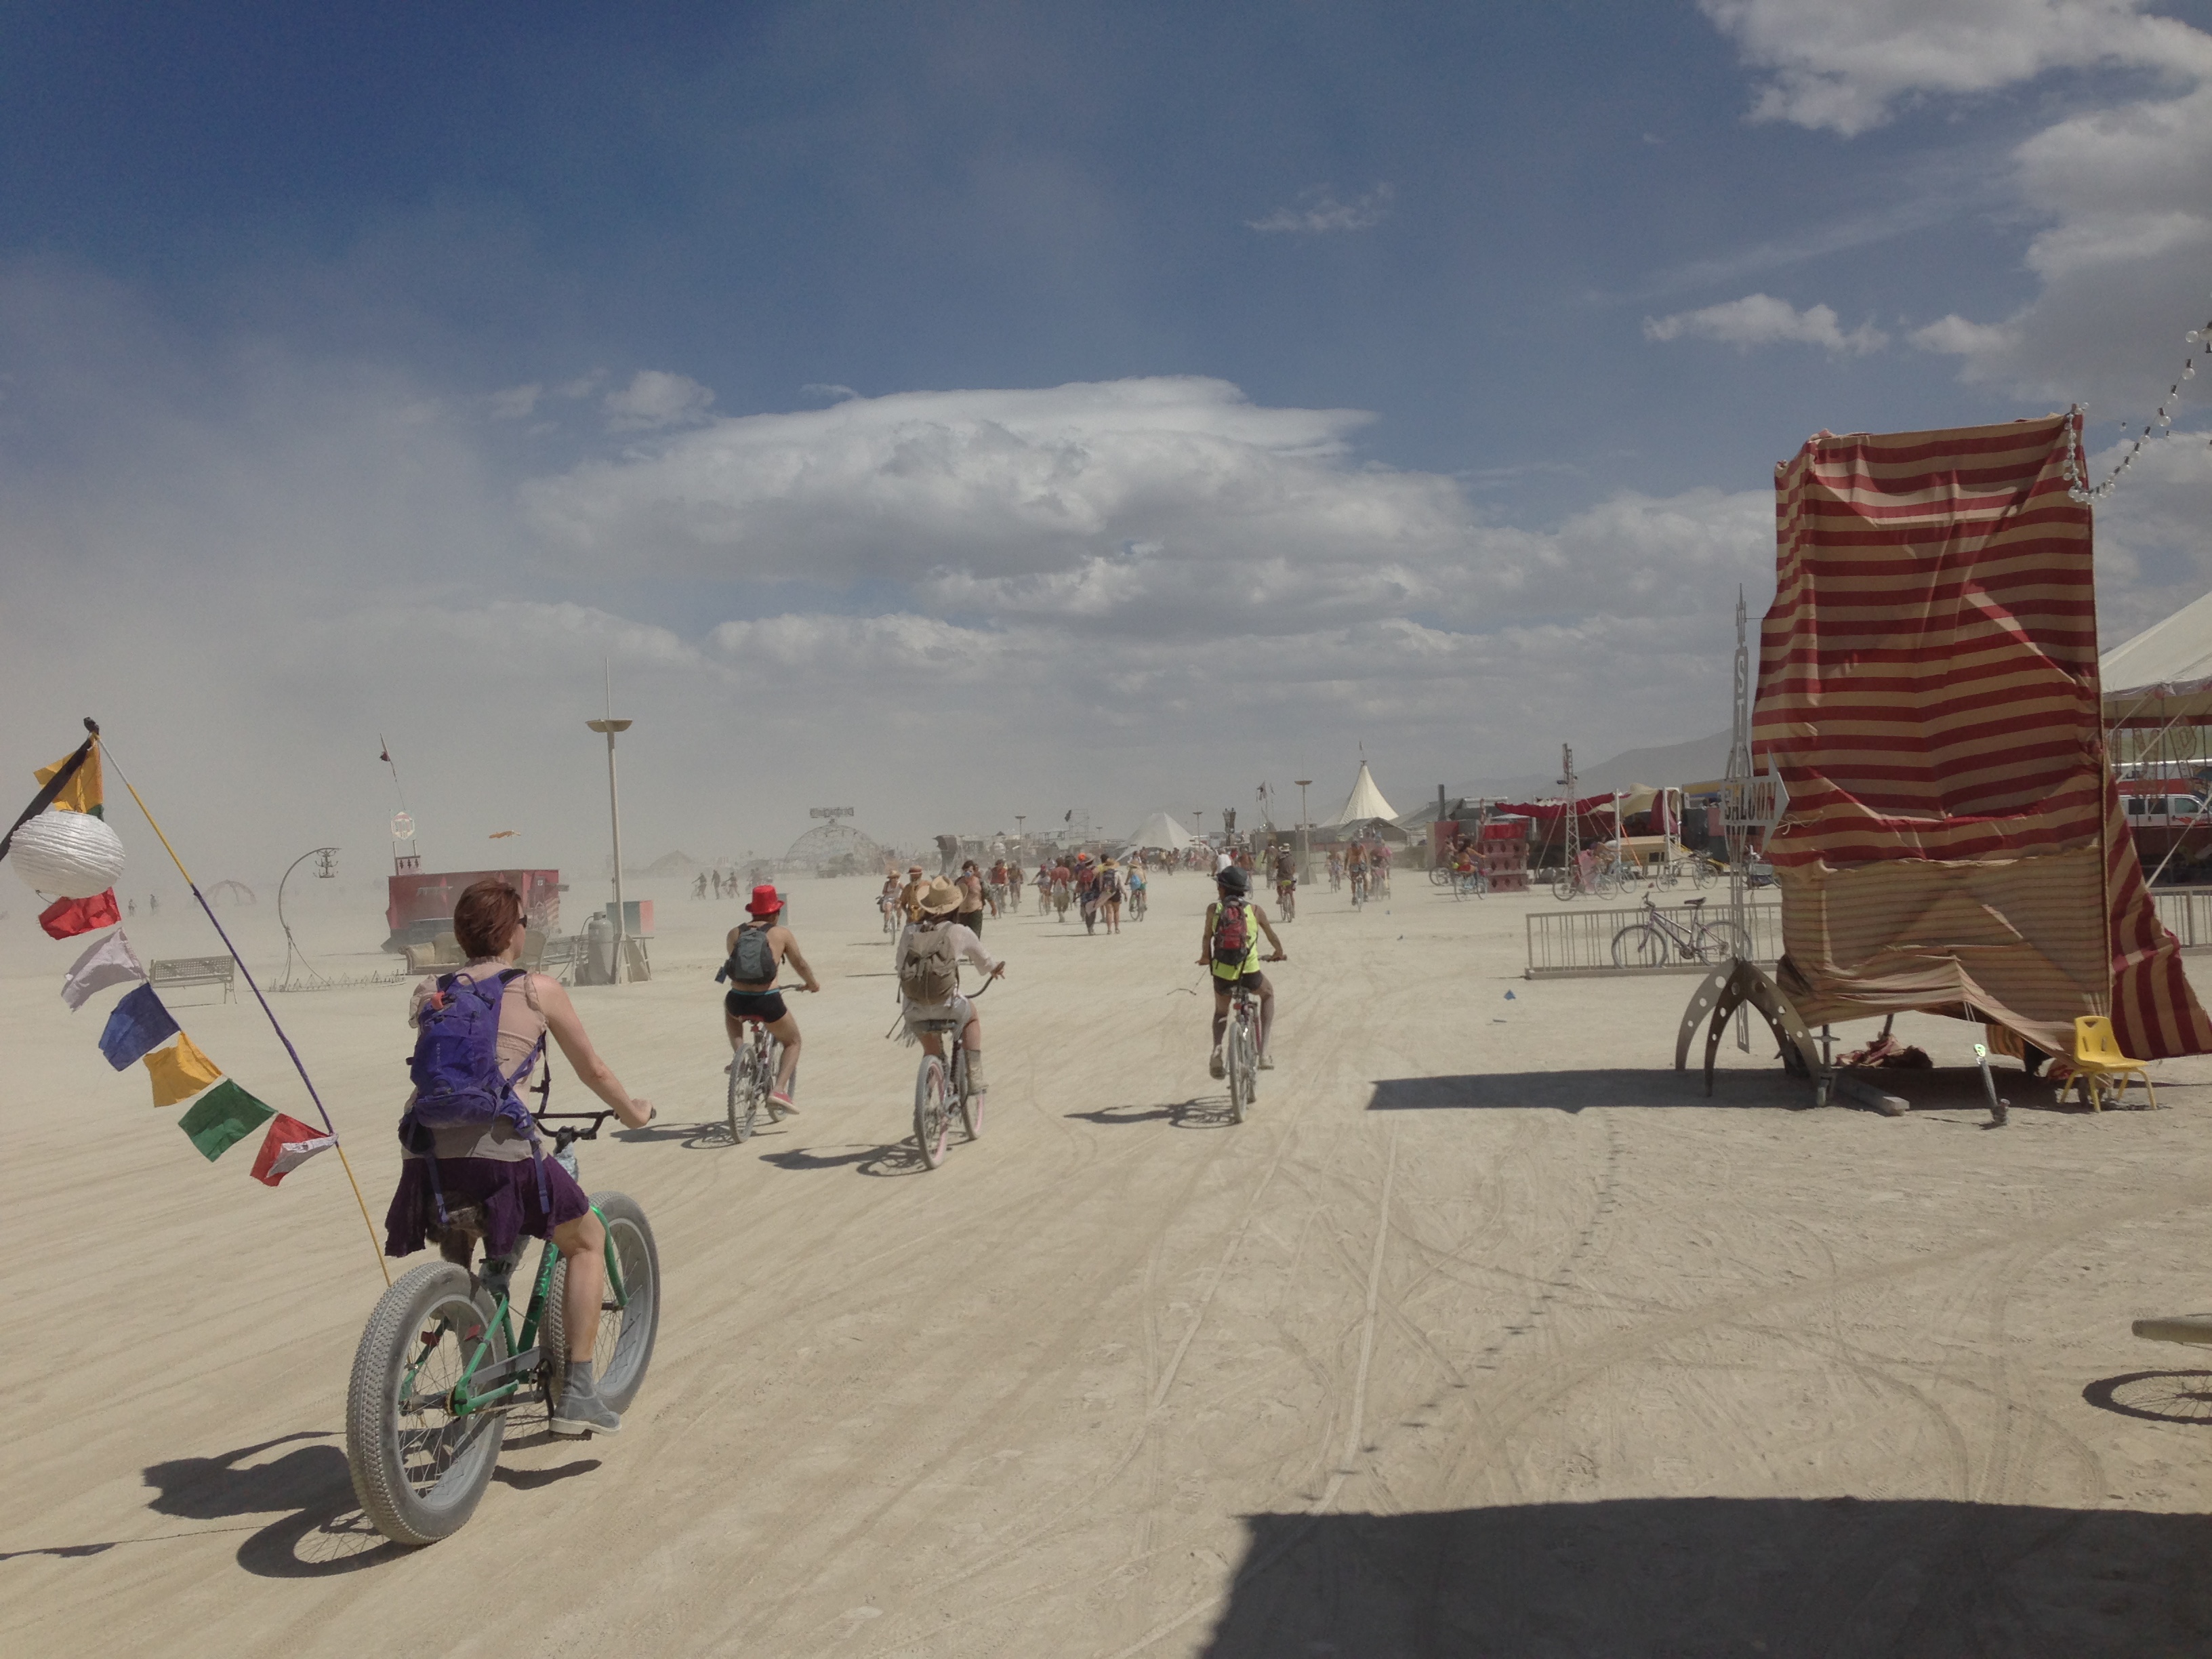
point(1928, 689)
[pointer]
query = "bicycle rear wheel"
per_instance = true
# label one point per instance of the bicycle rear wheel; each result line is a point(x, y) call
point(1717, 941)
point(933, 1116)
point(1640, 945)
point(1239, 1058)
point(744, 1100)
point(417, 1469)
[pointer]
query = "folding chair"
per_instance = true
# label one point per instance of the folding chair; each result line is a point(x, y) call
point(2097, 1057)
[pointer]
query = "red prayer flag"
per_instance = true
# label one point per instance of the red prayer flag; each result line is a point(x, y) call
point(66, 918)
point(288, 1144)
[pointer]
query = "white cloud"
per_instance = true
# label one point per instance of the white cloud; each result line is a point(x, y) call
point(2121, 191)
point(1758, 320)
point(1848, 68)
point(1955, 335)
point(1319, 212)
point(655, 399)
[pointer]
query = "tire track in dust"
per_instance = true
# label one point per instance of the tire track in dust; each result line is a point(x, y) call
point(1353, 1435)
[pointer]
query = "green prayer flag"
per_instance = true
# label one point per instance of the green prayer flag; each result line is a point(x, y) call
point(223, 1117)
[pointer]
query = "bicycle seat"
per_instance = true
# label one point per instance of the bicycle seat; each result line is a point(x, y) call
point(939, 1026)
point(1694, 903)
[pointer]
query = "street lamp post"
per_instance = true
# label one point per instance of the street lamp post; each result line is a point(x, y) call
point(1305, 833)
point(610, 727)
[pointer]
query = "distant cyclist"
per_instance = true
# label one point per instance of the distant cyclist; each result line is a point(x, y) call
point(1286, 880)
point(1229, 946)
point(758, 949)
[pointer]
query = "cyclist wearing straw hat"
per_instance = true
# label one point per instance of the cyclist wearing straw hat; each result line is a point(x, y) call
point(928, 968)
point(758, 950)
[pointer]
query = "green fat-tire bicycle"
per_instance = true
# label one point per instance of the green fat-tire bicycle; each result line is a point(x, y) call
point(440, 1365)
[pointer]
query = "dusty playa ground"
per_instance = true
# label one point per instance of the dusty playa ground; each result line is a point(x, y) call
point(1488, 1333)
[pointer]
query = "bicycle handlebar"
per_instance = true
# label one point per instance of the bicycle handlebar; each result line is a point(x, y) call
point(562, 1137)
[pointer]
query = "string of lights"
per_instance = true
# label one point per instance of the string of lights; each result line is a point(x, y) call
point(2199, 341)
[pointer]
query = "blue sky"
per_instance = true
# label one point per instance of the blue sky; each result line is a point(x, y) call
point(1422, 370)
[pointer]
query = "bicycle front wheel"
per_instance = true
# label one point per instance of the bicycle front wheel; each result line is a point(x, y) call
point(418, 1469)
point(933, 1116)
point(1640, 945)
point(971, 1108)
point(629, 1323)
point(1440, 877)
point(1702, 874)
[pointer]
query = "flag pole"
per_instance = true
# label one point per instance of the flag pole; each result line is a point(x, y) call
point(337, 1141)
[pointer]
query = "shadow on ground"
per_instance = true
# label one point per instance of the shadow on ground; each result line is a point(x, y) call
point(321, 1531)
point(1197, 1112)
point(1619, 1580)
point(1956, 1088)
point(1573, 1091)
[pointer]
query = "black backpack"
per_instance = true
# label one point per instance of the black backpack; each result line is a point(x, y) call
point(752, 962)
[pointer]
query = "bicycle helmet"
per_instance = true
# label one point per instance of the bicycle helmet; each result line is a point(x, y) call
point(1234, 879)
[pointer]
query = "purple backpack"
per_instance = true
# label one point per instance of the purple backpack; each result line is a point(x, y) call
point(459, 1081)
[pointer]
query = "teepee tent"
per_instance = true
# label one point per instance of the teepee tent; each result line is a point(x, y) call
point(1365, 800)
point(1161, 831)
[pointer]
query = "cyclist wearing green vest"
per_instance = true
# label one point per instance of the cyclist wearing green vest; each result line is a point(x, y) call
point(1231, 946)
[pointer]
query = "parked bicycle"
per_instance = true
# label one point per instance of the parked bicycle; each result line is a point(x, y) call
point(752, 1072)
point(442, 1363)
point(1660, 938)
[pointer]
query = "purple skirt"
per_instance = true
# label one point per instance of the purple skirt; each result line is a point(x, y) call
point(506, 1192)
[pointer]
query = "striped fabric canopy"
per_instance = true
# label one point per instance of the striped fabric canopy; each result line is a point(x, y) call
point(1928, 689)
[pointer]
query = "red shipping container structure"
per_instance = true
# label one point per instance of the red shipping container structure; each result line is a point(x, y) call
point(1928, 689)
point(421, 902)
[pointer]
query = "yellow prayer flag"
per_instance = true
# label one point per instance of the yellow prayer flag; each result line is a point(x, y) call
point(181, 1071)
point(84, 792)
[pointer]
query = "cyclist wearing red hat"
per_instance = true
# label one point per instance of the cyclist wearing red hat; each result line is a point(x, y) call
point(762, 944)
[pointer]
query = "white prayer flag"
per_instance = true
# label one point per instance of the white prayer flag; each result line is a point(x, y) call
point(108, 962)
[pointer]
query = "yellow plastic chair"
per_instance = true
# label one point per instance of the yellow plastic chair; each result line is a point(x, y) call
point(2097, 1057)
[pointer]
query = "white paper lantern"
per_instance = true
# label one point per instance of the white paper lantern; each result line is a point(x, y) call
point(67, 854)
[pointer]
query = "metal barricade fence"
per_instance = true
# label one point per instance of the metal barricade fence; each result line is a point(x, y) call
point(1572, 942)
point(2187, 913)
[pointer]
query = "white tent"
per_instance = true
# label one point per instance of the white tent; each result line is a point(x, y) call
point(2164, 674)
point(1365, 800)
point(1161, 831)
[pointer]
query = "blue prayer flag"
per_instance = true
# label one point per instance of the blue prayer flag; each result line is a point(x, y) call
point(139, 1025)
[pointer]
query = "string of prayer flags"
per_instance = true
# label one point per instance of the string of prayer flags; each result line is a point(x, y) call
point(82, 791)
point(223, 1117)
point(138, 1024)
point(67, 918)
point(288, 1144)
point(181, 1071)
point(109, 961)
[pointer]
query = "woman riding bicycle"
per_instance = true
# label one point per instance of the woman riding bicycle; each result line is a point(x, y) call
point(929, 975)
point(758, 950)
point(496, 1169)
point(1233, 917)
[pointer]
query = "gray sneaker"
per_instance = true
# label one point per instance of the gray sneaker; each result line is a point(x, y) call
point(582, 1412)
